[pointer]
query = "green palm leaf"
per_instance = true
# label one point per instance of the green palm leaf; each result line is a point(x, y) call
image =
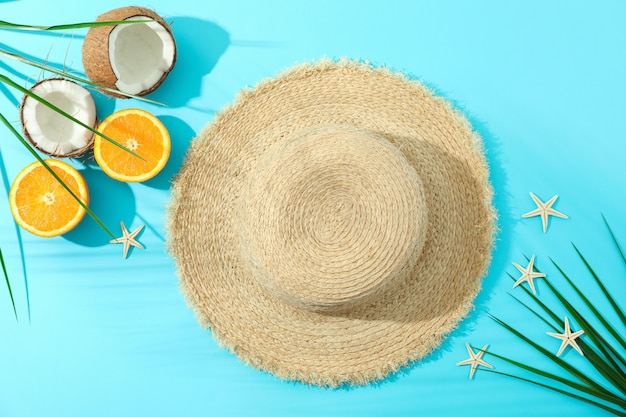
point(592, 308)
point(561, 391)
point(6, 278)
point(567, 382)
point(617, 245)
point(605, 357)
point(597, 387)
point(54, 174)
point(6, 81)
point(606, 293)
point(603, 360)
point(16, 26)
point(69, 75)
point(539, 316)
point(613, 370)
point(11, 83)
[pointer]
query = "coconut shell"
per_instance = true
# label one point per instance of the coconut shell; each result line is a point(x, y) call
point(96, 48)
point(74, 154)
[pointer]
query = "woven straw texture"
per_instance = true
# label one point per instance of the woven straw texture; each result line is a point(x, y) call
point(333, 224)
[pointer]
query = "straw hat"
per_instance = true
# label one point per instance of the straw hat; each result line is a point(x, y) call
point(333, 224)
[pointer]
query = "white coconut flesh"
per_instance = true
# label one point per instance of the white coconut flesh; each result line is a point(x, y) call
point(140, 53)
point(52, 132)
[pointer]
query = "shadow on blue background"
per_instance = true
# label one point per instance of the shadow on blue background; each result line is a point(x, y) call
point(105, 105)
point(11, 93)
point(112, 201)
point(506, 223)
point(200, 44)
point(59, 66)
point(180, 135)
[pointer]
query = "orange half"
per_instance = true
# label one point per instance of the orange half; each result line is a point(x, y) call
point(142, 133)
point(41, 205)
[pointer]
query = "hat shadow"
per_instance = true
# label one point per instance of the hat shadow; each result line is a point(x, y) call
point(501, 250)
point(499, 259)
point(506, 223)
point(199, 44)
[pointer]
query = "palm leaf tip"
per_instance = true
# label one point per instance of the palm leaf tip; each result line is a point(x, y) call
point(615, 241)
point(6, 277)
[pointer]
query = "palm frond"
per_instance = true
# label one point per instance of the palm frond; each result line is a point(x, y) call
point(572, 370)
point(581, 388)
point(69, 75)
point(54, 174)
point(6, 278)
point(606, 293)
point(4, 79)
point(603, 355)
point(45, 66)
point(539, 316)
point(541, 304)
point(18, 234)
point(603, 360)
point(562, 391)
point(613, 370)
point(617, 245)
point(591, 307)
point(16, 26)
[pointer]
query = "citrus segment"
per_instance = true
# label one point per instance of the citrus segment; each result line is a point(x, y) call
point(142, 133)
point(41, 205)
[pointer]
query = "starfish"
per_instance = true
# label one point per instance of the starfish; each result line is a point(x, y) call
point(475, 359)
point(567, 338)
point(544, 210)
point(528, 274)
point(128, 239)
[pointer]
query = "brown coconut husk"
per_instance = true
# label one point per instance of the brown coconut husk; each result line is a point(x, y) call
point(74, 154)
point(96, 48)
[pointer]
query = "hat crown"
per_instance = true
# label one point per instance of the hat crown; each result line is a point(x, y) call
point(331, 218)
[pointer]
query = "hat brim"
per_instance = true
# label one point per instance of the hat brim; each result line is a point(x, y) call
point(411, 318)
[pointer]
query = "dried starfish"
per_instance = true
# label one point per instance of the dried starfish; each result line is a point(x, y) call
point(128, 239)
point(528, 274)
point(567, 338)
point(475, 359)
point(544, 210)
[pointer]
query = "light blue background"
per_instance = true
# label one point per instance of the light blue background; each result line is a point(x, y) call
point(542, 82)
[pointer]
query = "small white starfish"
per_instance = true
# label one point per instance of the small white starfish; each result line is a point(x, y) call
point(528, 274)
point(567, 338)
point(475, 359)
point(128, 239)
point(544, 210)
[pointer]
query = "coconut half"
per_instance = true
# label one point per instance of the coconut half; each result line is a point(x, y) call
point(51, 132)
point(132, 58)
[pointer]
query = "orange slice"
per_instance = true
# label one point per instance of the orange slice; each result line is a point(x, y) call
point(142, 133)
point(41, 205)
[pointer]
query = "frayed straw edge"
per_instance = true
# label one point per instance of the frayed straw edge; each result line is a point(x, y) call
point(357, 378)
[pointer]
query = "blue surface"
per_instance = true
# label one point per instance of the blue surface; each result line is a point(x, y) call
point(542, 82)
